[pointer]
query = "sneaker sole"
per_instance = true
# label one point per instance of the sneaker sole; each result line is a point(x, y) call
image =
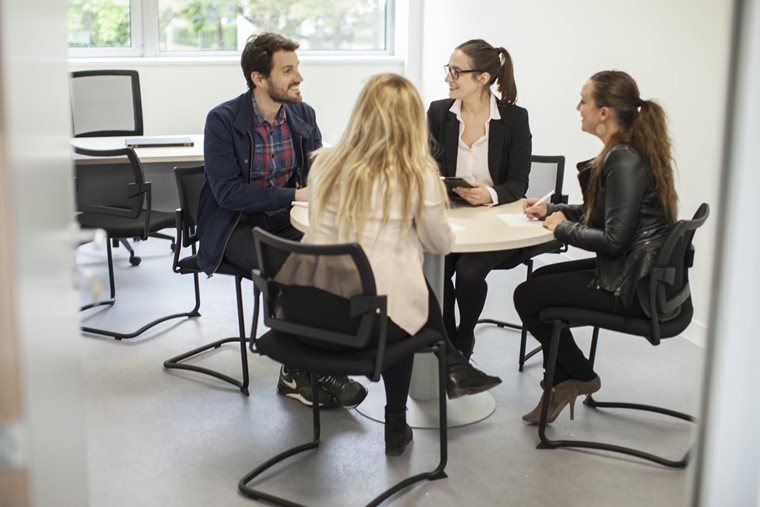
point(298, 397)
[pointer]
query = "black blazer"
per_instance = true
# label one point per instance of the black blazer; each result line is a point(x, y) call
point(509, 147)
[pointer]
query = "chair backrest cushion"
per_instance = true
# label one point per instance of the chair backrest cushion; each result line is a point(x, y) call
point(547, 174)
point(106, 103)
point(319, 292)
point(189, 184)
point(665, 293)
point(110, 182)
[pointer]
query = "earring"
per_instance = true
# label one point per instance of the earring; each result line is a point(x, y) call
point(601, 129)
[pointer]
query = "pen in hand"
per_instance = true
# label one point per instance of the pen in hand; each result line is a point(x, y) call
point(540, 201)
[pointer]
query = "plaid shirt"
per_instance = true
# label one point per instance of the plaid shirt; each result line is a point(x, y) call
point(274, 157)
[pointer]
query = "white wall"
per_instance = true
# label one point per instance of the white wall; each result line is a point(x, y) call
point(176, 95)
point(676, 50)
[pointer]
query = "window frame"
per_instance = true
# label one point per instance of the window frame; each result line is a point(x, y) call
point(144, 37)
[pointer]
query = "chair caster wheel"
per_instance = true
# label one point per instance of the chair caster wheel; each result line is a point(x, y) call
point(135, 261)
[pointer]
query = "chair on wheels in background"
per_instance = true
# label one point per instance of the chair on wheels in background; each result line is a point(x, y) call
point(118, 201)
point(547, 174)
point(665, 298)
point(108, 103)
point(346, 316)
point(189, 184)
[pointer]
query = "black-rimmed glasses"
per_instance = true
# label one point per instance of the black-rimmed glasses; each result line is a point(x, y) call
point(455, 72)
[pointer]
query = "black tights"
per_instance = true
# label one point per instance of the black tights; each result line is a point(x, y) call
point(565, 284)
point(470, 293)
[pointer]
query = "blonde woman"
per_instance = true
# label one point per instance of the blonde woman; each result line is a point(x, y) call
point(379, 186)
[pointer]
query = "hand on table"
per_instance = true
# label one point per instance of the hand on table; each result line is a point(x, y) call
point(553, 220)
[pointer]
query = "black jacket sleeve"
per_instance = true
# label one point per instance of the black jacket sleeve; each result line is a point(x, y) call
point(622, 184)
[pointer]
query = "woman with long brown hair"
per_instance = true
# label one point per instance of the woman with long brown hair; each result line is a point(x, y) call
point(630, 204)
point(482, 136)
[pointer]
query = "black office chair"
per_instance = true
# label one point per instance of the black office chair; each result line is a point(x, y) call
point(117, 199)
point(547, 173)
point(325, 294)
point(669, 307)
point(108, 103)
point(189, 184)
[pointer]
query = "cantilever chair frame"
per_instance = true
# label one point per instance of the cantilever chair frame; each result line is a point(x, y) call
point(186, 221)
point(370, 308)
point(530, 252)
point(140, 204)
point(663, 275)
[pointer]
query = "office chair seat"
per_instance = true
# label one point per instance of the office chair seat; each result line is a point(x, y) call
point(121, 227)
point(289, 349)
point(622, 324)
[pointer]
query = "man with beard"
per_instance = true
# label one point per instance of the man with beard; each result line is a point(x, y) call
point(257, 154)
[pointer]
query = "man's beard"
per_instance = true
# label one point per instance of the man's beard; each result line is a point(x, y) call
point(282, 96)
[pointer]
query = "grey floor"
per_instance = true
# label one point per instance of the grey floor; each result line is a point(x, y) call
point(165, 438)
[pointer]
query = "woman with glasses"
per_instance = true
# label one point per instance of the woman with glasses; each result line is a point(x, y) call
point(484, 139)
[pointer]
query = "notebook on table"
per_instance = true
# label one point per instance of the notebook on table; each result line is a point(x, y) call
point(157, 142)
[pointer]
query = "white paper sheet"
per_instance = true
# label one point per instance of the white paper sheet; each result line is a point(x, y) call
point(518, 220)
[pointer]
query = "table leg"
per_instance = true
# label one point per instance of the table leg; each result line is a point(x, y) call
point(423, 395)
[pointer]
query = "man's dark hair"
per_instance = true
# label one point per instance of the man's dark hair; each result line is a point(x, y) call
point(258, 51)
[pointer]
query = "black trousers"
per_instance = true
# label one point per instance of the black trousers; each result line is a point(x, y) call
point(469, 294)
point(240, 249)
point(398, 378)
point(566, 284)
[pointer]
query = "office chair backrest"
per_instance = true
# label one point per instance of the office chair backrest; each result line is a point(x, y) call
point(114, 184)
point(547, 173)
point(321, 292)
point(106, 103)
point(665, 294)
point(190, 181)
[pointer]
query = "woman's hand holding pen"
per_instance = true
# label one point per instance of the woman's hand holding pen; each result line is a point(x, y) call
point(534, 208)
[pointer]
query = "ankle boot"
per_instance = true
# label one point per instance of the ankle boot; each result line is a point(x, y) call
point(562, 394)
point(398, 434)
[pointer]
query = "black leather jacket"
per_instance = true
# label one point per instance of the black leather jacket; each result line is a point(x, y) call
point(627, 225)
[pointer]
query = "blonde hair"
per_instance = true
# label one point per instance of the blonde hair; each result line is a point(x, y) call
point(384, 144)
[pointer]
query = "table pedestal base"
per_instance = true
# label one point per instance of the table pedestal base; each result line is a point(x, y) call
point(424, 413)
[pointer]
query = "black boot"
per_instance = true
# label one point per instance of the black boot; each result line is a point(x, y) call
point(462, 378)
point(465, 346)
point(398, 434)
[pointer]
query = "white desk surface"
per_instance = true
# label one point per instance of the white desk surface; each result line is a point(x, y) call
point(148, 155)
point(477, 228)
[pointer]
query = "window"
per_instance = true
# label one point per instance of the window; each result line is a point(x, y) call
point(200, 27)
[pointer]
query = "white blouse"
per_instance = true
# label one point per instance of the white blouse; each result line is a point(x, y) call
point(472, 162)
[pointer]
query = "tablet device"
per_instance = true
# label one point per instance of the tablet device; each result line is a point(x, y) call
point(453, 182)
point(157, 142)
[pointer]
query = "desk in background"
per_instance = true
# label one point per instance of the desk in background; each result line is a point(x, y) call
point(477, 229)
point(158, 163)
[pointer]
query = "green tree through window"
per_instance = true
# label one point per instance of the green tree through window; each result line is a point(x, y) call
point(224, 25)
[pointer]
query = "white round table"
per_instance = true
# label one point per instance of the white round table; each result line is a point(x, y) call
point(477, 229)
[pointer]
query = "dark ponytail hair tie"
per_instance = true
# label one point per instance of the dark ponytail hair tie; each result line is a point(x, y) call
point(639, 102)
